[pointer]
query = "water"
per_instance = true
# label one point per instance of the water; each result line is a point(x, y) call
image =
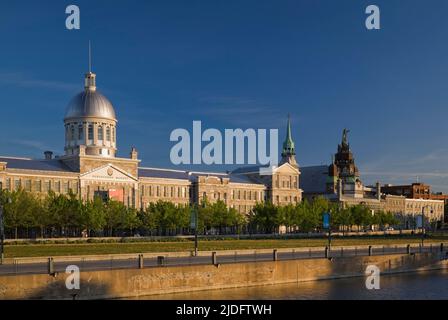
point(421, 285)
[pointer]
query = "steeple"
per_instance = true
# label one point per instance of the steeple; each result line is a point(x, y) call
point(289, 153)
point(90, 78)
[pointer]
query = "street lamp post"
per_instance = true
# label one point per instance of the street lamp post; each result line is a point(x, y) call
point(194, 225)
point(329, 230)
point(196, 234)
point(2, 235)
point(423, 223)
point(327, 225)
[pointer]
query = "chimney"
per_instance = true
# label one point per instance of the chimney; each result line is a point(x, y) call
point(48, 155)
point(82, 150)
point(134, 153)
point(378, 190)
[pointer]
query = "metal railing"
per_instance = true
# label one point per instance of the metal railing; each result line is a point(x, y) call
point(54, 265)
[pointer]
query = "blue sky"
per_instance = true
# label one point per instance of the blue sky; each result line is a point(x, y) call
point(238, 64)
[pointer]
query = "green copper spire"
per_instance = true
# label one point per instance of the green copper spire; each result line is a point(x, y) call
point(288, 145)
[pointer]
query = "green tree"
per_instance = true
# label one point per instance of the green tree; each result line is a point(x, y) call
point(362, 215)
point(19, 209)
point(93, 214)
point(265, 217)
point(114, 211)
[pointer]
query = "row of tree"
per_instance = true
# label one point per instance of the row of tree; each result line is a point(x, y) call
point(28, 216)
point(307, 217)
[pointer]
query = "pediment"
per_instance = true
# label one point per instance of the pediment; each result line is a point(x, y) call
point(286, 168)
point(109, 173)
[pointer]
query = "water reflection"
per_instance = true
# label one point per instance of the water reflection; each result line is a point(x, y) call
point(422, 285)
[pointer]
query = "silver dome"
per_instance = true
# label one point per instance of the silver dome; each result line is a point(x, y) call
point(90, 103)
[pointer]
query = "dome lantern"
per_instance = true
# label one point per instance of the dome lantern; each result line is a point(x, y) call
point(90, 122)
point(90, 81)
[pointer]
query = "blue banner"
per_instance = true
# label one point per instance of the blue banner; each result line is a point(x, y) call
point(419, 221)
point(326, 220)
point(193, 222)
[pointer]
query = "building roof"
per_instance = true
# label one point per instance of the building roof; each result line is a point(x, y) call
point(247, 169)
point(162, 173)
point(30, 164)
point(57, 165)
point(314, 179)
point(90, 103)
point(189, 175)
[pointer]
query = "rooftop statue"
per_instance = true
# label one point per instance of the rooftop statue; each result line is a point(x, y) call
point(344, 137)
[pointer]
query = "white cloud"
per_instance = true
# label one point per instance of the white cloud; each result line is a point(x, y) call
point(22, 80)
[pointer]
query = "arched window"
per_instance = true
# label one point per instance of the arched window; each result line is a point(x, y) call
point(108, 133)
point(80, 132)
point(90, 132)
point(72, 132)
point(100, 133)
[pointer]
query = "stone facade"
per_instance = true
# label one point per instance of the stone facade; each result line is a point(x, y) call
point(90, 168)
point(340, 182)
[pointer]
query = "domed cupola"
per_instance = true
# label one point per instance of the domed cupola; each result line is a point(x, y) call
point(90, 123)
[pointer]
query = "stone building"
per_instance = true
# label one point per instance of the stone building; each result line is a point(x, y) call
point(90, 167)
point(340, 182)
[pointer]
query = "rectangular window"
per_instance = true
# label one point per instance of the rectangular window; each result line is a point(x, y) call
point(38, 186)
point(90, 132)
point(17, 184)
point(73, 187)
point(47, 186)
point(28, 185)
point(65, 190)
point(8, 184)
point(57, 186)
point(80, 132)
point(100, 133)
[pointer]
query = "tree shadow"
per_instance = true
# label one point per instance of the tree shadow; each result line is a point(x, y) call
point(57, 290)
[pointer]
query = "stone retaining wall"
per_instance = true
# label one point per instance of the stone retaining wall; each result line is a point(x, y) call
point(141, 282)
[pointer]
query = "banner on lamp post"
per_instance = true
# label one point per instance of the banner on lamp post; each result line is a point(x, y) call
point(326, 220)
point(193, 219)
point(419, 221)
